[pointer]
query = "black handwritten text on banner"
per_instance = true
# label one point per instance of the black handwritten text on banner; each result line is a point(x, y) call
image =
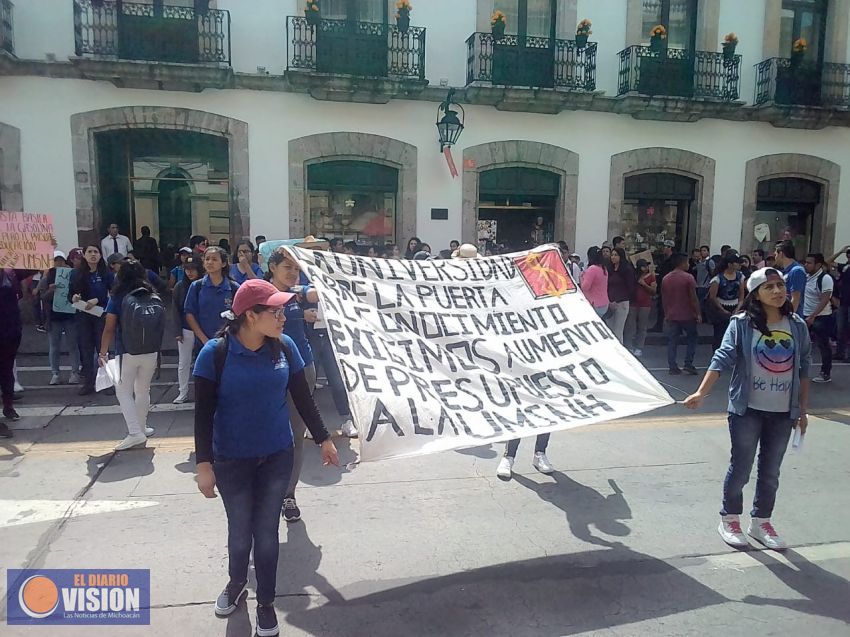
point(446, 354)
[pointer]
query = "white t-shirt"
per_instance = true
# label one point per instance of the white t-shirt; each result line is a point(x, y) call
point(812, 298)
point(773, 368)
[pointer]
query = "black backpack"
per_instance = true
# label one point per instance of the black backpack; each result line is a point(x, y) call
point(142, 322)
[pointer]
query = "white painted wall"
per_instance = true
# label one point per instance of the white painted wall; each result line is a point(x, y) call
point(42, 108)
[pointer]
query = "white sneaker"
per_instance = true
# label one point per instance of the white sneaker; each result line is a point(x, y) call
point(149, 431)
point(180, 400)
point(762, 531)
point(730, 531)
point(18, 387)
point(54, 380)
point(74, 379)
point(637, 352)
point(131, 441)
point(348, 429)
point(505, 468)
point(541, 462)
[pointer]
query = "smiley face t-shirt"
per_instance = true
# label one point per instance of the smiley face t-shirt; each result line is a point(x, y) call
point(773, 368)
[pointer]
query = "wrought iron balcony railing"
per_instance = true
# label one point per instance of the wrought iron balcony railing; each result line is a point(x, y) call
point(154, 32)
point(787, 82)
point(7, 41)
point(350, 47)
point(530, 61)
point(679, 73)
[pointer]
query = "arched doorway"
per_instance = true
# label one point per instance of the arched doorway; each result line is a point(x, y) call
point(516, 207)
point(786, 209)
point(659, 207)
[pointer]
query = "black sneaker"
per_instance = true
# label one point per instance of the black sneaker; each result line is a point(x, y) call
point(9, 413)
point(290, 511)
point(822, 378)
point(230, 597)
point(675, 371)
point(5, 432)
point(41, 328)
point(690, 370)
point(266, 621)
point(85, 390)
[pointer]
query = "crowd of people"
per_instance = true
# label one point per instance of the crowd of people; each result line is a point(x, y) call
point(254, 344)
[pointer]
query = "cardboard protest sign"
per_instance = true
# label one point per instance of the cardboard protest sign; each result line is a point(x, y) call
point(26, 240)
point(447, 354)
point(60, 294)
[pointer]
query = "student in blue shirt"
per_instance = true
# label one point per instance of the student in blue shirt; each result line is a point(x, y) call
point(243, 439)
point(90, 283)
point(192, 269)
point(285, 276)
point(210, 296)
point(794, 273)
point(244, 267)
point(176, 274)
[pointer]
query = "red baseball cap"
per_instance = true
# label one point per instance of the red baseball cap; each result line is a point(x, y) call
point(258, 292)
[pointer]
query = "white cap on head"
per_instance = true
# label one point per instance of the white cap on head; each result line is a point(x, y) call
point(760, 277)
point(466, 251)
point(58, 254)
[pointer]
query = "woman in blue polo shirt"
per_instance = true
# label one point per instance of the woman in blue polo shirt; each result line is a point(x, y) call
point(285, 276)
point(186, 337)
point(210, 296)
point(90, 283)
point(243, 439)
point(244, 267)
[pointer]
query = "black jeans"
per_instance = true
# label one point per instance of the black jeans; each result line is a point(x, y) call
point(252, 491)
point(8, 350)
point(769, 432)
point(89, 335)
point(539, 445)
point(821, 332)
point(323, 354)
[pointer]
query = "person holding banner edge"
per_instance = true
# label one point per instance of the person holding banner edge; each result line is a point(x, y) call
point(768, 350)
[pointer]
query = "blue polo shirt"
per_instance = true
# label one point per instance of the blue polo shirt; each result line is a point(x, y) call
point(178, 273)
point(795, 281)
point(237, 275)
point(206, 301)
point(114, 307)
point(252, 416)
point(99, 286)
point(295, 328)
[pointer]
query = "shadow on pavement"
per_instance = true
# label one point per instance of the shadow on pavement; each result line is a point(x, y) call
point(485, 452)
point(540, 597)
point(313, 473)
point(584, 507)
point(827, 594)
point(188, 466)
point(126, 465)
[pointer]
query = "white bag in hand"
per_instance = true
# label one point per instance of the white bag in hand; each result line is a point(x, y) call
point(108, 375)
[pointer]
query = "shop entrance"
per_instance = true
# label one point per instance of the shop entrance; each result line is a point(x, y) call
point(786, 209)
point(658, 207)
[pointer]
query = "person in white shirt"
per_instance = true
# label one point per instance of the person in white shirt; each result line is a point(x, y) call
point(817, 310)
point(114, 243)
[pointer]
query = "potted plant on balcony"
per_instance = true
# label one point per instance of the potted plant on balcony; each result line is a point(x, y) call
point(657, 38)
point(498, 22)
point(312, 13)
point(402, 16)
point(730, 42)
point(798, 51)
point(582, 33)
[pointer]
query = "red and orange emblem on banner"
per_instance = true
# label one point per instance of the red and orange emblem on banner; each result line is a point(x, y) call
point(545, 274)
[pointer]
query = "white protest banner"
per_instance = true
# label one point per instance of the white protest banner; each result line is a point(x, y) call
point(455, 353)
point(26, 240)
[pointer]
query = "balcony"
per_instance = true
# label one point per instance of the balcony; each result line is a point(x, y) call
point(359, 49)
point(679, 73)
point(7, 42)
point(112, 29)
point(532, 62)
point(784, 82)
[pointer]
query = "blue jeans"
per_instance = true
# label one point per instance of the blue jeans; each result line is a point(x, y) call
point(324, 357)
point(821, 332)
point(69, 328)
point(770, 432)
point(673, 331)
point(252, 491)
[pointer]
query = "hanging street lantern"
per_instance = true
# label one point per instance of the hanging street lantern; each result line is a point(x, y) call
point(449, 121)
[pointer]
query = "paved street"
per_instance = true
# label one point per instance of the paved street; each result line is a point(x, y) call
point(620, 540)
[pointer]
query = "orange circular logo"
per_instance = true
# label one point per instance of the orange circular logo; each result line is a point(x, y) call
point(38, 597)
